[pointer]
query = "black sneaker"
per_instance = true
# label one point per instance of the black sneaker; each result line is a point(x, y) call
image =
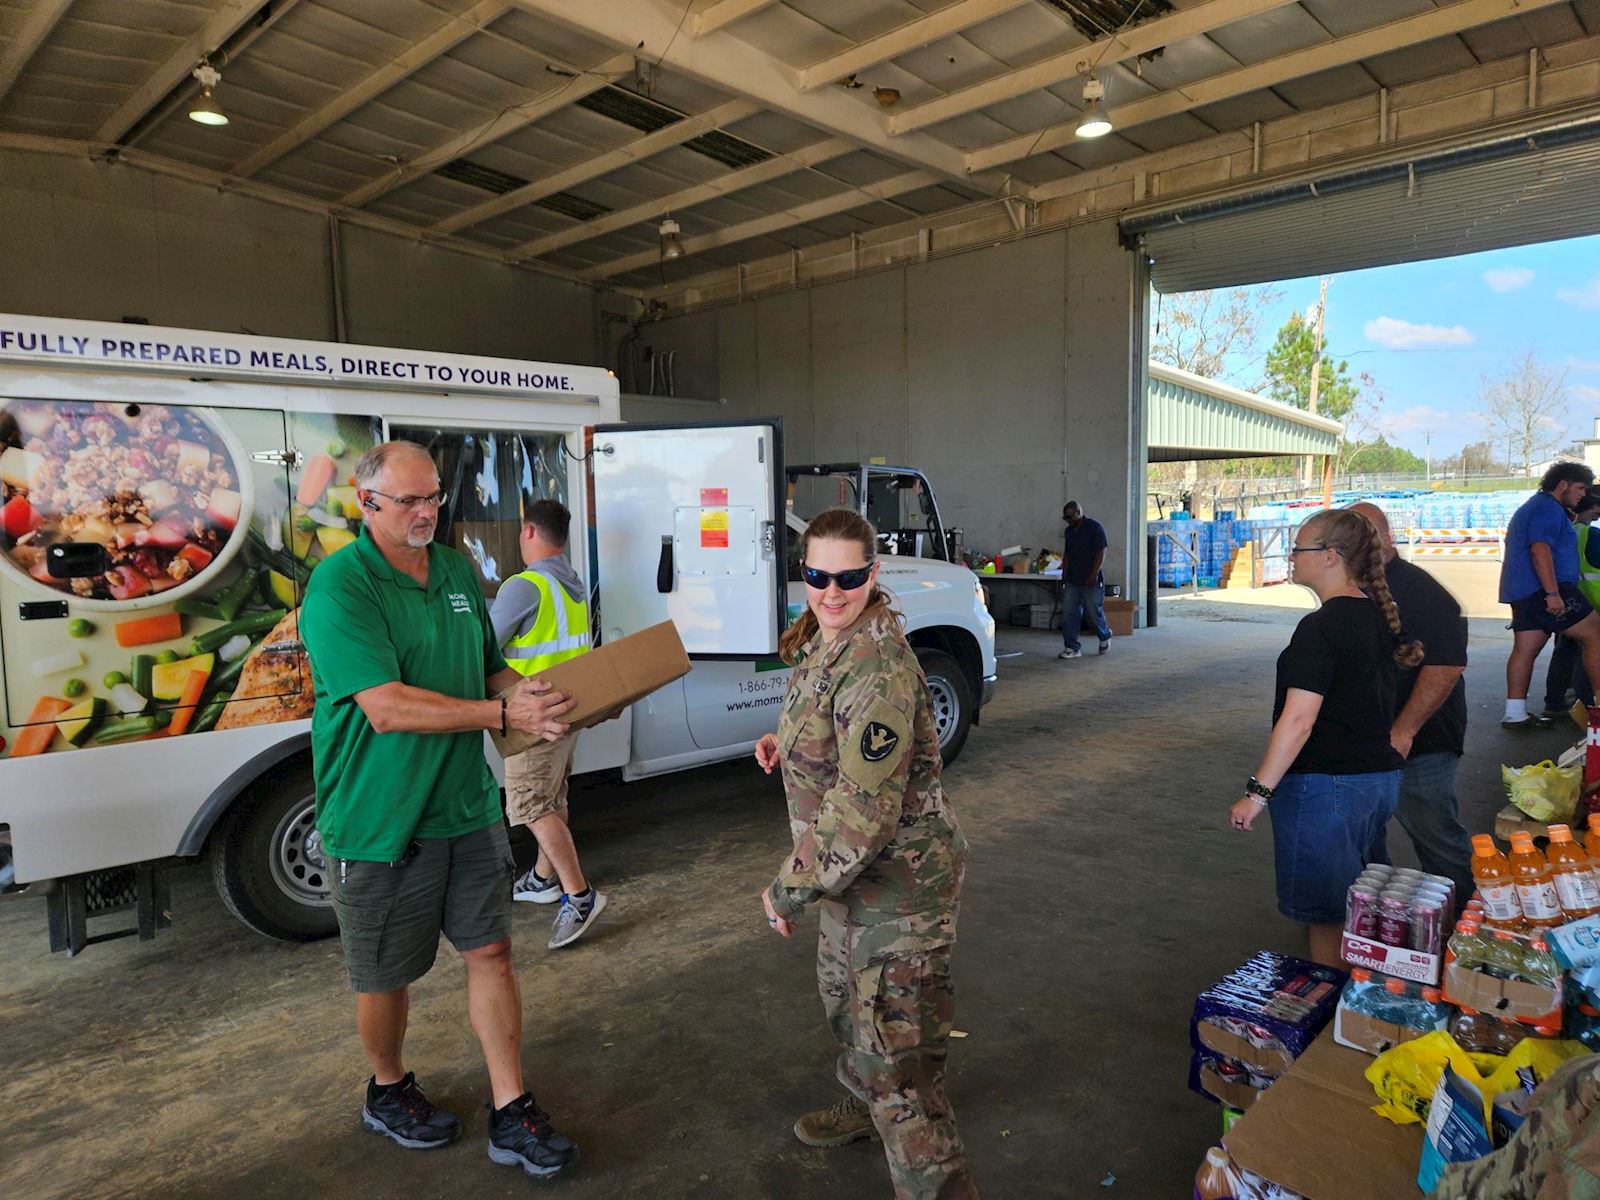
point(520, 1135)
point(1531, 721)
point(404, 1114)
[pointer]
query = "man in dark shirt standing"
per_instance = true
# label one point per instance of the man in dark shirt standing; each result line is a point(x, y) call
point(1082, 585)
point(1430, 725)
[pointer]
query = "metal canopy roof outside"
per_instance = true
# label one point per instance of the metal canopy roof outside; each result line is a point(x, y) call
point(1188, 416)
point(561, 132)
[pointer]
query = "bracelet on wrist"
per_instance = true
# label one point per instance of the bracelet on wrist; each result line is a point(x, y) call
point(1259, 790)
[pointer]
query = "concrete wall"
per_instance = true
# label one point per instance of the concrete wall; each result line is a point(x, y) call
point(102, 241)
point(1007, 373)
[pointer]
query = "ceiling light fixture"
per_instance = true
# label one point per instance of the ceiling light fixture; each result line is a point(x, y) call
point(671, 247)
point(204, 109)
point(886, 96)
point(1094, 123)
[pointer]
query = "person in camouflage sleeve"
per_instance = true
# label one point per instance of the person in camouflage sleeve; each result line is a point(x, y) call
point(1554, 1155)
point(879, 851)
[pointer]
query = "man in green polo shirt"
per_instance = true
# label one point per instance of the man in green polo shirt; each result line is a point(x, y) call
point(405, 664)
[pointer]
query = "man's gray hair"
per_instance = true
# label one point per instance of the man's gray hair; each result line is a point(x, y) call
point(369, 467)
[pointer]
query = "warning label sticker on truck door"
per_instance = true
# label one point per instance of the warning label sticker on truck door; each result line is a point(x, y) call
point(713, 497)
point(714, 529)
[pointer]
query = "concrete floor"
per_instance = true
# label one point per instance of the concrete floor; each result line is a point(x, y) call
point(678, 1041)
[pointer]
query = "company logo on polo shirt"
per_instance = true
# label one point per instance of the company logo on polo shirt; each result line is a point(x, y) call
point(459, 602)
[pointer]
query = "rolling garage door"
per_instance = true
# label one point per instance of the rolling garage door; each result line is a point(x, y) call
point(1504, 192)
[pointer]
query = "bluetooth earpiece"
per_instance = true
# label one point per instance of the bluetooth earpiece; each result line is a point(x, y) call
point(369, 505)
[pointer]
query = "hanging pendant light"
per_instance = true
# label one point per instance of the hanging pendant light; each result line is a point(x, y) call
point(1094, 123)
point(204, 109)
point(671, 247)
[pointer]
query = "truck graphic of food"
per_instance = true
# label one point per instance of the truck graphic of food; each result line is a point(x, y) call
point(152, 562)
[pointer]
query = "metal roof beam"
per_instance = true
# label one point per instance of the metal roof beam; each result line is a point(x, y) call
point(903, 39)
point(725, 12)
point(37, 24)
point(584, 83)
point(676, 134)
point(734, 181)
point(1141, 39)
point(885, 189)
point(452, 33)
point(227, 21)
point(722, 61)
point(1411, 31)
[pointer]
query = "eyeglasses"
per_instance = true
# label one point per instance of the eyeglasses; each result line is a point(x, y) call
point(433, 501)
point(848, 581)
point(1308, 549)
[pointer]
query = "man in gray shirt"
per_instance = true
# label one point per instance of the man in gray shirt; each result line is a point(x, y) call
point(541, 618)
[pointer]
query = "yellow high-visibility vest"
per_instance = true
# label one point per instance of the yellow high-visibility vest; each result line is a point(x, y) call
point(560, 629)
point(1588, 575)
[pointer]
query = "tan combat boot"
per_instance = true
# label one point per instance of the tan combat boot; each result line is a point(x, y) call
point(846, 1122)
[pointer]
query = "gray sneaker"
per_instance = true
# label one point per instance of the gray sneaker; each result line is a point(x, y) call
point(572, 921)
point(540, 891)
point(1104, 646)
point(1070, 654)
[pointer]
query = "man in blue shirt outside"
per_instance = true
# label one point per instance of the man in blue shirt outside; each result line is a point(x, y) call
point(1539, 578)
point(1082, 585)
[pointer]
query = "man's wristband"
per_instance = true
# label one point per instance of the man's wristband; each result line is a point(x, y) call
point(1258, 789)
point(504, 732)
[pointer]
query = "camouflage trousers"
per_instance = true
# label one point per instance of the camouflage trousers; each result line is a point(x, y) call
point(892, 1020)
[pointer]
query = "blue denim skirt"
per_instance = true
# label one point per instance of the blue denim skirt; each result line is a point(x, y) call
point(1325, 830)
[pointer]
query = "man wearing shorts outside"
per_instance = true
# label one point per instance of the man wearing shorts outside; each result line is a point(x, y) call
point(1539, 579)
point(541, 618)
point(404, 661)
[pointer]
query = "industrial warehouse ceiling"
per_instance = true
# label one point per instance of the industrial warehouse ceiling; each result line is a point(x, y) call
point(561, 132)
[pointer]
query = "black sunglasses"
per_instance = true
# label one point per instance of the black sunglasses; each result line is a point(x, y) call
point(848, 581)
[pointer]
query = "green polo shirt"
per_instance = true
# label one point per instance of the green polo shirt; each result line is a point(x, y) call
point(366, 624)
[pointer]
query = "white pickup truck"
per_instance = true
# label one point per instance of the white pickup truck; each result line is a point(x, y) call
point(168, 493)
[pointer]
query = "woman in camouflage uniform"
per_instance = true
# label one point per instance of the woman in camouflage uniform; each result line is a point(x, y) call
point(879, 851)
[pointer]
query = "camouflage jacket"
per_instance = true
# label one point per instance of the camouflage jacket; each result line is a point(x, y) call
point(861, 767)
point(1555, 1155)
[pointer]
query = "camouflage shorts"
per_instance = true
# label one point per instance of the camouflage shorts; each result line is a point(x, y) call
point(892, 1017)
point(536, 780)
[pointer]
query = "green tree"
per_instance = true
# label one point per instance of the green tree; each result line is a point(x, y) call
point(1213, 333)
point(1289, 366)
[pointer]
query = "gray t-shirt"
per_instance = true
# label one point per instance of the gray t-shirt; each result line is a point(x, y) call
point(516, 604)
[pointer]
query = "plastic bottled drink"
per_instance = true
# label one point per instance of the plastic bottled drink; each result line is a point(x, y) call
point(1536, 891)
point(1539, 966)
point(1358, 992)
point(1594, 835)
point(1492, 873)
point(1218, 1178)
point(1396, 1005)
point(1573, 872)
point(1467, 945)
point(1432, 1010)
point(1474, 1031)
point(1503, 956)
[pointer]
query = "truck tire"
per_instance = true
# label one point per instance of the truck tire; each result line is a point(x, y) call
point(266, 859)
point(951, 696)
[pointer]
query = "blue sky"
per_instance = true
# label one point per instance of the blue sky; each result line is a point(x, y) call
point(1427, 332)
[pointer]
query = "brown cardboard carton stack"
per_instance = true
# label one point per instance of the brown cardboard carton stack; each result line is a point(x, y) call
point(608, 679)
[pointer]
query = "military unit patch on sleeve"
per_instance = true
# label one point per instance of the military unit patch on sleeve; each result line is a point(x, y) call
point(878, 741)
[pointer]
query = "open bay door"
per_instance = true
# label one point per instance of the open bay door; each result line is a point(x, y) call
point(689, 520)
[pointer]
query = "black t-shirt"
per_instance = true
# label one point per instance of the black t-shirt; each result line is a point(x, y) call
point(1345, 653)
point(1431, 615)
point(1081, 546)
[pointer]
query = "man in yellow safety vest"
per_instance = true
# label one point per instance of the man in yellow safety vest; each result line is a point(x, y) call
point(541, 617)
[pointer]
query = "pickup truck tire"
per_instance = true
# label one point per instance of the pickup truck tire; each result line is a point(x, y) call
point(266, 859)
point(952, 700)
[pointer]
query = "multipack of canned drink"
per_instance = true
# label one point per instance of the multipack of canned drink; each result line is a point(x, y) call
point(1401, 906)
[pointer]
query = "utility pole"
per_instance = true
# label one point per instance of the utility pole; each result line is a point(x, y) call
point(1316, 360)
point(1427, 466)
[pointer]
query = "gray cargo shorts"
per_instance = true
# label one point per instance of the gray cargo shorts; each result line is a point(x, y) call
point(391, 915)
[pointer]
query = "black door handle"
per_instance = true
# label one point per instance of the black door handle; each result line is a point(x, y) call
point(664, 571)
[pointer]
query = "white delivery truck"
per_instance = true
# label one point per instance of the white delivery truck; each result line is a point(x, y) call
point(168, 493)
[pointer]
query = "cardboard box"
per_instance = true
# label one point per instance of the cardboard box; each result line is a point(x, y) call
point(1362, 1032)
point(1205, 1078)
point(1119, 616)
point(1399, 961)
point(1501, 997)
point(610, 678)
point(1315, 1133)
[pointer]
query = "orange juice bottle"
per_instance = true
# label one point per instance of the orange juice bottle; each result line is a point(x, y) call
point(1492, 873)
point(1594, 834)
point(1573, 874)
point(1536, 891)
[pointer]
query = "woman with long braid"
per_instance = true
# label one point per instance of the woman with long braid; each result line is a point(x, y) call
point(1330, 778)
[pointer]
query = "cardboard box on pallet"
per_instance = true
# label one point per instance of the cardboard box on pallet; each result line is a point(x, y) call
point(607, 680)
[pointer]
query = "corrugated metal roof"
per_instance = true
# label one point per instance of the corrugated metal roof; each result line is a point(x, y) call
point(1188, 416)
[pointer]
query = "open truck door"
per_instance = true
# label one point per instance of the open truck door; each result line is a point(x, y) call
point(689, 521)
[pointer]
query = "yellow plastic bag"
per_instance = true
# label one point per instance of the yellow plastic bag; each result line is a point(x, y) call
point(1406, 1077)
point(1544, 791)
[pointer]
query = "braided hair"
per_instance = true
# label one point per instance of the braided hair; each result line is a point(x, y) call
point(1358, 543)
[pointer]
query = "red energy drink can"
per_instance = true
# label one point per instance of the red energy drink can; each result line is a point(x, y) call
point(1394, 921)
point(1361, 906)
